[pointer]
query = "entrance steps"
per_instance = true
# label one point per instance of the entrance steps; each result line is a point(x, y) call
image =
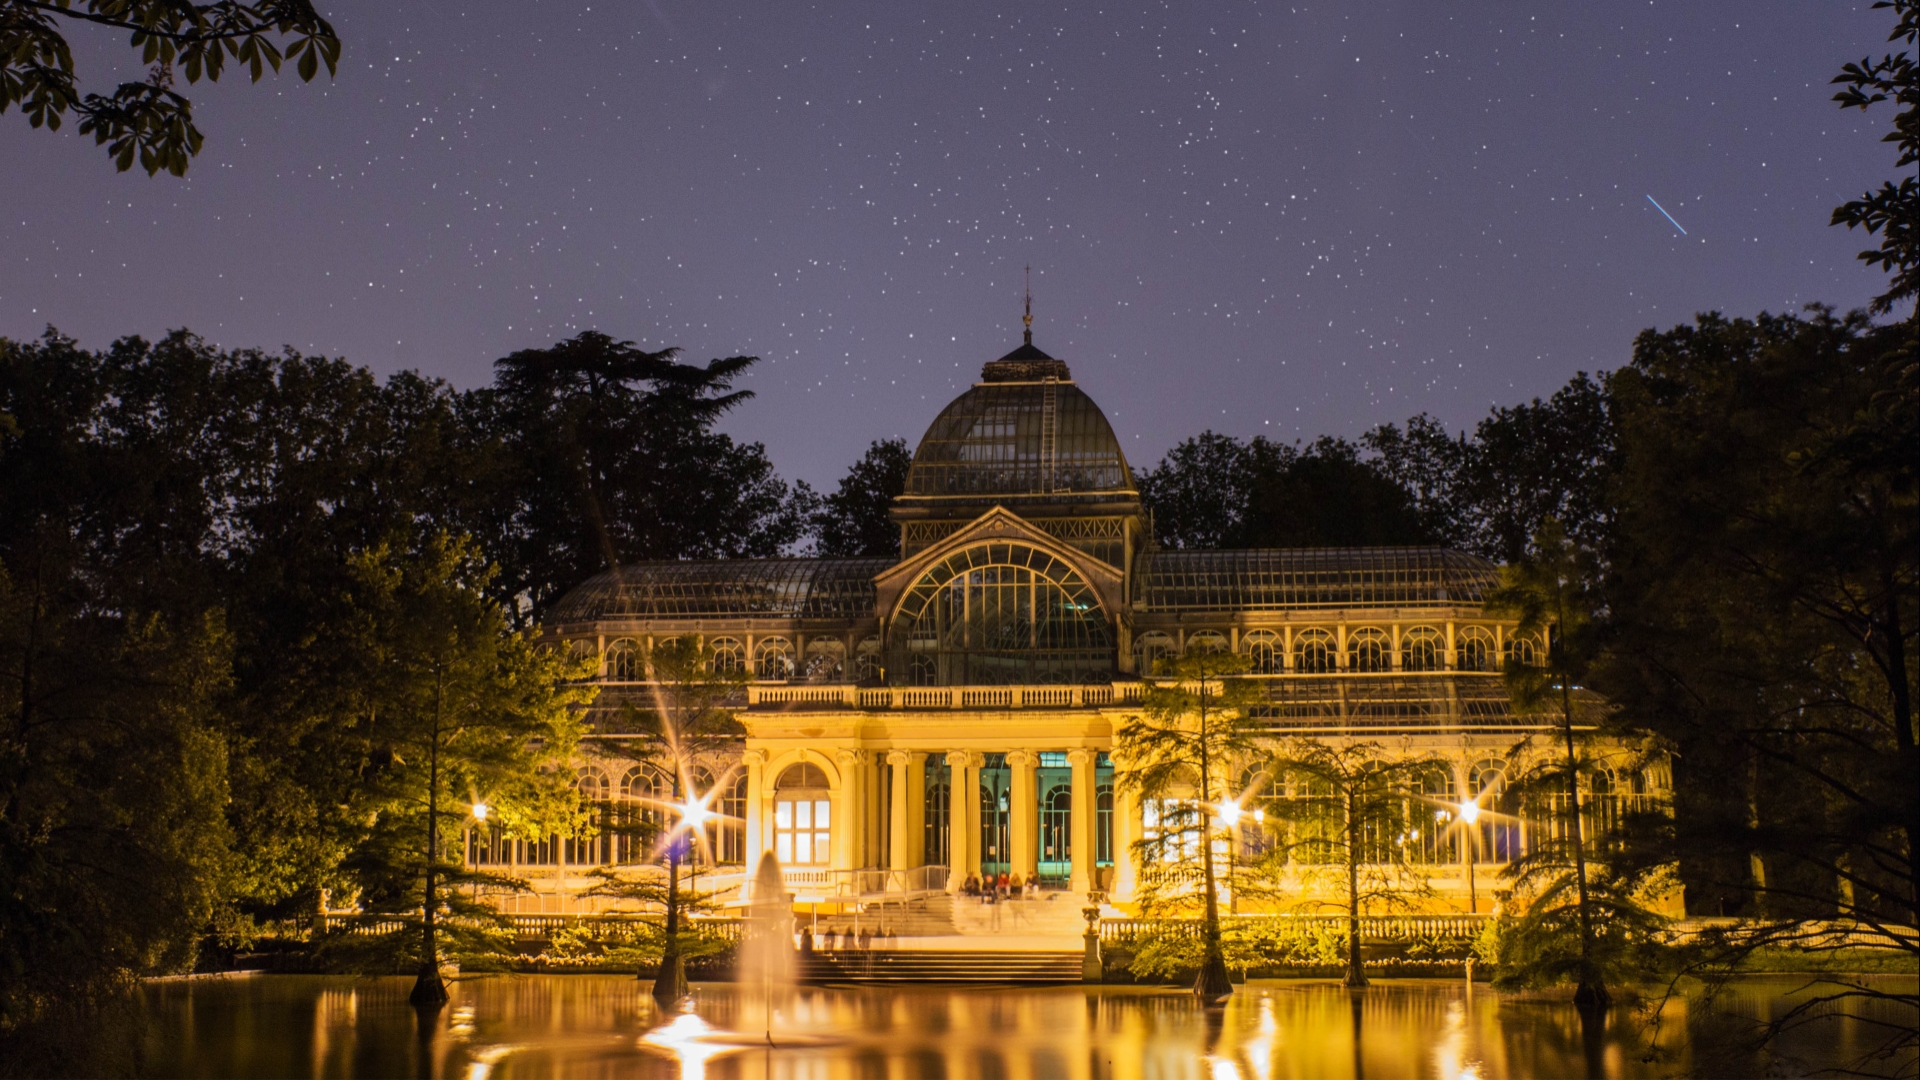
point(940, 966)
point(1051, 915)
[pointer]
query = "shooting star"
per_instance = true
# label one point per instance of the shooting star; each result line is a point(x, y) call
point(1664, 214)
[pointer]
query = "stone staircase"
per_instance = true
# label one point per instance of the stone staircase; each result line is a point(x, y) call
point(1052, 915)
point(940, 967)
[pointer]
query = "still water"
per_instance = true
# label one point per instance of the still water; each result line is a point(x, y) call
point(504, 1027)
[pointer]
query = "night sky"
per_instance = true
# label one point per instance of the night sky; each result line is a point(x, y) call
point(1289, 219)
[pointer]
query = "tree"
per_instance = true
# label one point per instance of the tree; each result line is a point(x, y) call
point(1491, 492)
point(684, 718)
point(1348, 807)
point(1550, 594)
point(1178, 753)
point(459, 712)
point(607, 455)
point(1216, 491)
point(112, 784)
point(1893, 212)
point(1762, 603)
point(852, 522)
point(150, 119)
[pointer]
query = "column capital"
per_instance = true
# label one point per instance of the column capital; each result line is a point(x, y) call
point(899, 757)
point(754, 757)
point(850, 757)
point(1021, 758)
point(1079, 756)
point(962, 759)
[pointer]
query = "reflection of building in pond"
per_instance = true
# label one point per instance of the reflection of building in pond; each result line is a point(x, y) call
point(955, 707)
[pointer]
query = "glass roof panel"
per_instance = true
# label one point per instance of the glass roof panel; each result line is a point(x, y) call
point(1258, 579)
point(792, 588)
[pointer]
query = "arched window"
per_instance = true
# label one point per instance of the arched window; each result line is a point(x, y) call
point(1149, 649)
point(730, 846)
point(1474, 645)
point(640, 822)
point(866, 661)
point(1264, 651)
point(773, 659)
point(826, 660)
point(1499, 838)
point(1206, 641)
point(1006, 613)
point(1431, 837)
point(1528, 650)
point(1103, 825)
point(802, 817)
point(623, 661)
point(1368, 648)
point(1313, 652)
point(1056, 829)
point(937, 778)
point(594, 845)
point(1252, 796)
point(1422, 648)
point(729, 656)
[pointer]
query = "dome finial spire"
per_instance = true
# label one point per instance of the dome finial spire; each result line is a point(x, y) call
point(1027, 319)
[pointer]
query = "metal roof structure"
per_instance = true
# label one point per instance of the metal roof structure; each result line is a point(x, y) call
point(776, 588)
point(1025, 429)
point(1257, 579)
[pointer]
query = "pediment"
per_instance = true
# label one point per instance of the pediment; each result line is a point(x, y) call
point(1000, 524)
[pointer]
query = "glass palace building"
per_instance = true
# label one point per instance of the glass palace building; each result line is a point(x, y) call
point(912, 721)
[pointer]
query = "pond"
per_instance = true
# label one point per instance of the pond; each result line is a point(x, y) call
point(502, 1027)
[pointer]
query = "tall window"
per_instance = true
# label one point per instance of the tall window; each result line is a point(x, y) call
point(1431, 837)
point(730, 845)
point(596, 791)
point(1500, 839)
point(1421, 649)
point(1264, 652)
point(802, 817)
point(866, 661)
point(1171, 828)
point(1103, 825)
point(1313, 652)
point(1368, 649)
point(1056, 825)
point(640, 814)
point(1000, 614)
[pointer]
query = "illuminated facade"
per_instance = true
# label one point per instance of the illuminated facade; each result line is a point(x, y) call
point(913, 721)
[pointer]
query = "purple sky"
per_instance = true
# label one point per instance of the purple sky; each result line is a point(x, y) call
point(1289, 219)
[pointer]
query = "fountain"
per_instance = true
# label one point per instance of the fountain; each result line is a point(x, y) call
point(766, 940)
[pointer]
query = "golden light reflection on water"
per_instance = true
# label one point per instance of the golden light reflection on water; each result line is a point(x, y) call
point(507, 1027)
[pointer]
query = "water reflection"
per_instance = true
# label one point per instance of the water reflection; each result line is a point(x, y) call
point(505, 1027)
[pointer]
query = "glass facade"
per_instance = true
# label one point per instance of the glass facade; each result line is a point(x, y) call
point(1001, 614)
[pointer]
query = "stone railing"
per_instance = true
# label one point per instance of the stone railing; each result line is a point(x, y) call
point(536, 927)
point(893, 698)
point(1374, 927)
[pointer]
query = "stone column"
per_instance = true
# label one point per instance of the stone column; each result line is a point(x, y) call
point(847, 821)
point(755, 831)
point(963, 807)
point(1080, 833)
point(1126, 829)
point(898, 852)
point(1025, 827)
point(916, 808)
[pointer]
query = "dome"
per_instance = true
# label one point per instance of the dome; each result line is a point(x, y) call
point(1023, 429)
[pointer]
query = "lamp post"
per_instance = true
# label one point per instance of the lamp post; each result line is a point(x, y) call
point(1470, 817)
point(670, 984)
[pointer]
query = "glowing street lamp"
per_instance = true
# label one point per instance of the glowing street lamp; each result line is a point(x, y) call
point(481, 810)
point(1470, 817)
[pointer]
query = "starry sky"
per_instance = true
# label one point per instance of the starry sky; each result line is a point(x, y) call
point(1264, 218)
